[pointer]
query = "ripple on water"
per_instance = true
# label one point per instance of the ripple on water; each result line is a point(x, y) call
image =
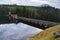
point(18, 31)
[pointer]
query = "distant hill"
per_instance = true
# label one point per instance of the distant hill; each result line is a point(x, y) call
point(44, 5)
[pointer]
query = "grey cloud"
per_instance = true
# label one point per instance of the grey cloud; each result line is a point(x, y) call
point(54, 3)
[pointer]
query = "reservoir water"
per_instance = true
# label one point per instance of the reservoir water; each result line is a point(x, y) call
point(18, 31)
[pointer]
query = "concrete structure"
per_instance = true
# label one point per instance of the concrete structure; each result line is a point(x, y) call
point(33, 22)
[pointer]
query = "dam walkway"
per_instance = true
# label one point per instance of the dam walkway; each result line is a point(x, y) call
point(33, 22)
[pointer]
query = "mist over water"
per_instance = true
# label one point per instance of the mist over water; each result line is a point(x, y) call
point(18, 31)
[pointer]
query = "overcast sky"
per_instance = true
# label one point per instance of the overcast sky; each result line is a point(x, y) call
point(54, 3)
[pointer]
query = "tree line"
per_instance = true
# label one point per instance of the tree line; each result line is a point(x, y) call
point(42, 13)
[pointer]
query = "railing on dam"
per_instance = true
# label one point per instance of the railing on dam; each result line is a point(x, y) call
point(33, 22)
point(37, 23)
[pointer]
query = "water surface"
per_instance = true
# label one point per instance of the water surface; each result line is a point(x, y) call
point(18, 31)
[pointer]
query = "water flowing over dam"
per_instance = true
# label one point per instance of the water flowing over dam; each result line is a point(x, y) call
point(18, 31)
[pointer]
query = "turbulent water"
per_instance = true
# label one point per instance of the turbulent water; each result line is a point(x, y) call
point(18, 31)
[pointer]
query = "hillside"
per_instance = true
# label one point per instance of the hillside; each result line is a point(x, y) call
point(44, 12)
point(47, 34)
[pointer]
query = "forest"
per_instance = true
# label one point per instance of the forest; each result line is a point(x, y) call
point(47, 13)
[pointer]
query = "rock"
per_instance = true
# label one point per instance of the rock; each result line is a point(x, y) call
point(56, 34)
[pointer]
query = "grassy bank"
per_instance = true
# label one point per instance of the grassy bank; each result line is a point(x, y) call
point(47, 34)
